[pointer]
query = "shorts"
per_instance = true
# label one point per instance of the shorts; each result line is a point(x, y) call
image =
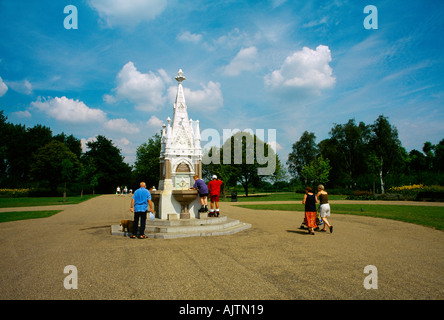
point(214, 198)
point(324, 210)
point(203, 195)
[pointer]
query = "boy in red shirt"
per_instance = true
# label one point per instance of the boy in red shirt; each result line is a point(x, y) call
point(214, 188)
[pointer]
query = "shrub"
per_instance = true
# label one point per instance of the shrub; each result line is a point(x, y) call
point(361, 195)
point(14, 193)
point(391, 197)
point(430, 196)
point(419, 192)
point(339, 191)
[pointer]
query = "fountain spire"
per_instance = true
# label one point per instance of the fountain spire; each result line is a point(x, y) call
point(180, 78)
point(180, 105)
point(180, 158)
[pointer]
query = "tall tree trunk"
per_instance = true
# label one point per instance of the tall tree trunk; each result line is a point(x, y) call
point(382, 182)
point(246, 190)
point(380, 177)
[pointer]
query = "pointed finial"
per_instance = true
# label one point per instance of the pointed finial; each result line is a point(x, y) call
point(163, 129)
point(197, 131)
point(180, 76)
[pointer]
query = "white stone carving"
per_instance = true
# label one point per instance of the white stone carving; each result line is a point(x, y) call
point(180, 143)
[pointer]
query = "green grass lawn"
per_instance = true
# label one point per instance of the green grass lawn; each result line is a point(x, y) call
point(423, 215)
point(43, 201)
point(35, 202)
point(23, 215)
point(282, 196)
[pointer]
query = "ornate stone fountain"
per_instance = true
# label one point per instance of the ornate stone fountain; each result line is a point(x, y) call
point(175, 205)
point(180, 160)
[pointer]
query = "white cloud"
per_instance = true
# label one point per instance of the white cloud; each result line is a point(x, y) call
point(22, 114)
point(275, 146)
point(3, 88)
point(23, 87)
point(277, 3)
point(68, 110)
point(315, 23)
point(122, 126)
point(145, 90)
point(233, 39)
point(109, 99)
point(189, 37)
point(127, 148)
point(166, 78)
point(245, 60)
point(127, 13)
point(124, 142)
point(306, 69)
point(155, 122)
point(84, 141)
point(209, 98)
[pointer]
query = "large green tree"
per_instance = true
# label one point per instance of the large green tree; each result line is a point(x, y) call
point(71, 142)
point(438, 161)
point(146, 167)
point(351, 145)
point(245, 159)
point(19, 145)
point(386, 146)
point(89, 175)
point(316, 172)
point(55, 164)
point(303, 152)
point(107, 165)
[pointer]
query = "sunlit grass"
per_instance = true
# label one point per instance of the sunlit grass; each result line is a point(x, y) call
point(24, 215)
point(41, 201)
point(424, 215)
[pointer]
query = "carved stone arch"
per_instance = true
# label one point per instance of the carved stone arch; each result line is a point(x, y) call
point(181, 160)
point(183, 167)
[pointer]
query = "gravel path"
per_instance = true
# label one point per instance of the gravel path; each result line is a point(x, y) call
point(272, 260)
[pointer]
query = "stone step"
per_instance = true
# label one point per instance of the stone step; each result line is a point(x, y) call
point(186, 222)
point(201, 233)
point(204, 225)
point(188, 228)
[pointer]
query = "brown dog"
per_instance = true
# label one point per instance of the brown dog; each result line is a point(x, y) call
point(126, 224)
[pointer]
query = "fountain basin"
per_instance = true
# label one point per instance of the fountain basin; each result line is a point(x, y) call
point(184, 197)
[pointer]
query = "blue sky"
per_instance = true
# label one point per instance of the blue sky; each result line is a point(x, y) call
point(273, 64)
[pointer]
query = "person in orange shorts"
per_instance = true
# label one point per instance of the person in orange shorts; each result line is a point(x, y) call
point(214, 189)
point(310, 210)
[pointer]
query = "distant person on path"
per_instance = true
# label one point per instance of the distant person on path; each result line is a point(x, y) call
point(139, 205)
point(310, 210)
point(202, 189)
point(324, 208)
point(118, 190)
point(214, 189)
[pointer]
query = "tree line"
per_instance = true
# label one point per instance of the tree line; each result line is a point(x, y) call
point(239, 171)
point(35, 158)
point(356, 156)
point(359, 156)
point(49, 164)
